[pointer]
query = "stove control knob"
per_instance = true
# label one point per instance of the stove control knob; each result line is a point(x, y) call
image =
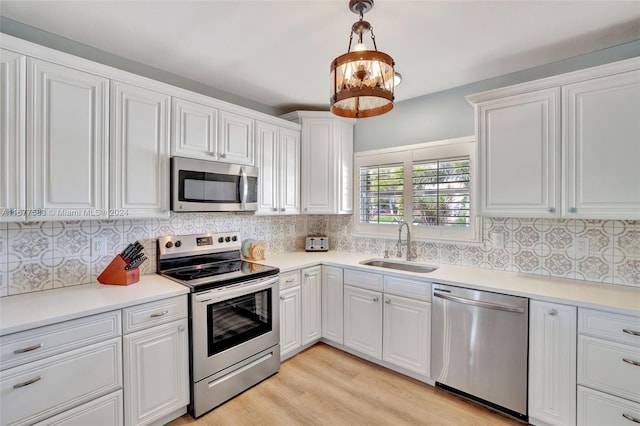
point(169, 244)
point(221, 240)
point(227, 239)
point(234, 238)
point(178, 243)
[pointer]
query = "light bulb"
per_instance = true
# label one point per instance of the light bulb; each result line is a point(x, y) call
point(359, 47)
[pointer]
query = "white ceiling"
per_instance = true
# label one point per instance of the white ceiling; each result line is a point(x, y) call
point(278, 52)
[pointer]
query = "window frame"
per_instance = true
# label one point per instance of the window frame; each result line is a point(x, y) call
point(407, 155)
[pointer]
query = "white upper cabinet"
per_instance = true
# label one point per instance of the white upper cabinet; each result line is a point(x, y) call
point(278, 161)
point(67, 142)
point(12, 134)
point(565, 146)
point(139, 151)
point(326, 181)
point(195, 130)
point(236, 138)
point(601, 125)
point(519, 154)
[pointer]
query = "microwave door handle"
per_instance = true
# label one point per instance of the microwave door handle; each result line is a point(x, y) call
point(244, 188)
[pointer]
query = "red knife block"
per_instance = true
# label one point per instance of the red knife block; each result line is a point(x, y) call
point(115, 273)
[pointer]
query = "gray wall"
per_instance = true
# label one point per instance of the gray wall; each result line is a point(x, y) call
point(35, 35)
point(447, 114)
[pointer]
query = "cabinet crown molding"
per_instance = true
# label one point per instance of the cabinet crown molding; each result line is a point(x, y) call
point(557, 80)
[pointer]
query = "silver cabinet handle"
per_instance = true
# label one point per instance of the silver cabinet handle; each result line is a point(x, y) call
point(553, 312)
point(307, 275)
point(572, 210)
point(630, 417)
point(27, 383)
point(159, 314)
point(290, 280)
point(273, 209)
point(281, 297)
point(631, 332)
point(283, 209)
point(551, 209)
point(388, 301)
point(223, 155)
point(632, 362)
point(375, 299)
point(29, 349)
point(181, 328)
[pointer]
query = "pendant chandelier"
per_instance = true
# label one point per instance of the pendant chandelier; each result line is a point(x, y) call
point(362, 80)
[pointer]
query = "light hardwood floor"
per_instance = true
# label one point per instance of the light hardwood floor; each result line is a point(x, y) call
point(326, 386)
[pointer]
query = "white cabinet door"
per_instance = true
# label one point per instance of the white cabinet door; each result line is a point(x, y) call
point(407, 333)
point(12, 134)
point(344, 170)
point(289, 167)
point(290, 321)
point(318, 166)
point(67, 141)
point(363, 321)
point(311, 304)
point(519, 155)
point(267, 160)
point(332, 306)
point(601, 133)
point(195, 130)
point(278, 160)
point(235, 139)
point(552, 363)
point(139, 151)
point(156, 372)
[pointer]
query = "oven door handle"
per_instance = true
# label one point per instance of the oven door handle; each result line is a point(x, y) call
point(214, 296)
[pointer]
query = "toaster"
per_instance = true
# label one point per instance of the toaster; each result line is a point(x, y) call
point(316, 243)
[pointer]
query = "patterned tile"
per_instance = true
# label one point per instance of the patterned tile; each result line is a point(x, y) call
point(29, 244)
point(558, 264)
point(627, 272)
point(527, 261)
point(70, 271)
point(28, 276)
point(4, 287)
point(471, 256)
point(73, 241)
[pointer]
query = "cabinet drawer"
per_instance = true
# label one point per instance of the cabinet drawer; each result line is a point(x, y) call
point(608, 366)
point(368, 280)
point(597, 409)
point(104, 411)
point(40, 389)
point(289, 279)
point(153, 313)
point(31, 345)
point(413, 289)
point(609, 326)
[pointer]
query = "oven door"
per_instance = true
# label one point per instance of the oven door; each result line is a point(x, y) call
point(230, 324)
point(198, 185)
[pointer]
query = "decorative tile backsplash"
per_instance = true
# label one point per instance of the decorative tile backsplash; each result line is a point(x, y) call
point(44, 255)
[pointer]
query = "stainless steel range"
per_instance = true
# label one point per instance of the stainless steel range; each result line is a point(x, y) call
point(233, 314)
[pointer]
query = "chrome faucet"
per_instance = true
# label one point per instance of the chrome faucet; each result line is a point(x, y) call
point(407, 242)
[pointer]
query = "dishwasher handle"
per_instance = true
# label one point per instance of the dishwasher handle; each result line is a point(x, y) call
point(480, 303)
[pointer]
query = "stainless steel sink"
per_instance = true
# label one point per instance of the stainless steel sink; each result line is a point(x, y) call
point(400, 265)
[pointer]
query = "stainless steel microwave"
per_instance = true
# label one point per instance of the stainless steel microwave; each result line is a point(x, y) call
point(211, 186)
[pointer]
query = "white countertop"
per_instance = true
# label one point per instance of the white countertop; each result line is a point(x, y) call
point(29, 310)
point(25, 311)
point(625, 299)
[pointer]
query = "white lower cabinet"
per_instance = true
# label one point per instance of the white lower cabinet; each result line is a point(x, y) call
point(407, 333)
point(598, 408)
point(43, 388)
point(332, 306)
point(104, 411)
point(363, 321)
point(311, 292)
point(290, 314)
point(552, 363)
point(156, 365)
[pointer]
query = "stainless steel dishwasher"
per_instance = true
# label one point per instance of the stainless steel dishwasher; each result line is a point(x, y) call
point(479, 346)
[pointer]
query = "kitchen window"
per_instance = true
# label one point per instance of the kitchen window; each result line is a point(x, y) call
point(429, 186)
